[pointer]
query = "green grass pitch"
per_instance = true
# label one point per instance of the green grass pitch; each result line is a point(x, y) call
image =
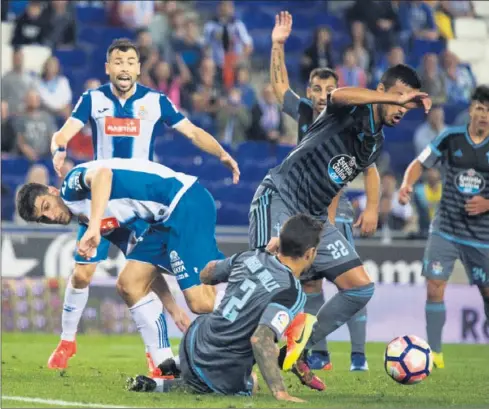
point(97, 376)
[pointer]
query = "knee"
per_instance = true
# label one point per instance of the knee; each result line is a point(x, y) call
point(128, 289)
point(312, 287)
point(82, 275)
point(435, 290)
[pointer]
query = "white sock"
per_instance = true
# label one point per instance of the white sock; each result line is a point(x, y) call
point(151, 324)
point(177, 361)
point(74, 304)
point(218, 299)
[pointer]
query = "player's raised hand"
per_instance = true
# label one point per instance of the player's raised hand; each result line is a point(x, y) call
point(476, 205)
point(416, 99)
point(405, 194)
point(283, 27)
point(227, 160)
point(284, 396)
point(58, 162)
point(87, 247)
point(367, 221)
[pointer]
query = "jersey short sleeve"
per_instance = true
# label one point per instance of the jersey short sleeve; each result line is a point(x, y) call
point(282, 309)
point(223, 269)
point(170, 115)
point(83, 108)
point(74, 187)
point(430, 155)
point(291, 104)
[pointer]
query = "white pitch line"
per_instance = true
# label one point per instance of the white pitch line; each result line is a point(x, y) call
point(61, 402)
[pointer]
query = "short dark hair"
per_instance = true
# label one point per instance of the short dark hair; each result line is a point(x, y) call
point(122, 44)
point(401, 72)
point(299, 234)
point(481, 94)
point(323, 74)
point(26, 200)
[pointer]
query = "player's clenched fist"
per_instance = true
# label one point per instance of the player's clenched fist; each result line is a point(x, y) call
point(405, 194)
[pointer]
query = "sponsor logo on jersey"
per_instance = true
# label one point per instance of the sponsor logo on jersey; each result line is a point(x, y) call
point(177, 265)
point(341, 168)
point(280, 321)
point(436, 268)
point(470, 182)
point(108, 225)
point(122, 126)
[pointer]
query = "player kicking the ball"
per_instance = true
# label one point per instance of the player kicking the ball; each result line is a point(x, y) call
point(305, 111)
point(172, 220)
point(262, 297)
point(345, 139)
point(460, 228)
point(123, 116)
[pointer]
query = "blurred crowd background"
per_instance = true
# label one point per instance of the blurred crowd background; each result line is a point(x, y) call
point(212, 57)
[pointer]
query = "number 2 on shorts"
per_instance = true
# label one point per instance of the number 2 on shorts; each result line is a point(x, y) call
point(337, 249)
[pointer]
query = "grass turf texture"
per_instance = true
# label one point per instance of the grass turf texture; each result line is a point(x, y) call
point(98, 373)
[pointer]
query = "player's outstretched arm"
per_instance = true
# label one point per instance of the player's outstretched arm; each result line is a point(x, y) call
point(411, 176)
point(217, 271)
point(368, 220)
point(99, 181)
point(278, 70)
point(266, 356)
point(209, 144)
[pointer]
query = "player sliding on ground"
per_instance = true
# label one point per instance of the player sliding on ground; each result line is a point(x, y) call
point(262, 297)
point(305, 111)
point(124, 116)
point(460, 228)
point(171, 219)
point(345, 139)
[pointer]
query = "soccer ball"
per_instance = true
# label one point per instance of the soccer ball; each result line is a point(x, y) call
point(408, 359)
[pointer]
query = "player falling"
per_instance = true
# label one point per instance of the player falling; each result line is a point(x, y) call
point(305, 111)
point(460, 228)
point(345, 139)
point(262, 297)
point(123, 115)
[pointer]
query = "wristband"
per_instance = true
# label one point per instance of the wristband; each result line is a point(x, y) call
point(59, 149)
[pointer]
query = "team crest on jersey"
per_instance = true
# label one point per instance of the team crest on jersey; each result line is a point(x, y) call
point(122, 126)
point(142, 112)
point(470, 182)
point(341, 168)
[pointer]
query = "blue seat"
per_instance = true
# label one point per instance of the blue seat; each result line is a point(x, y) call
point(91, 15)
point(231, 214)
point(91, 34)
point(74, 58)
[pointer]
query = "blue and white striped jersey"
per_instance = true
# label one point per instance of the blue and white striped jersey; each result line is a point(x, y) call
point(142, 191)
point(125, 128)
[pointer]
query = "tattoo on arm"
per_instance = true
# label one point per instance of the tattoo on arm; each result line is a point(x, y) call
point(206, 275)
point(266, 355)
point(277, 65)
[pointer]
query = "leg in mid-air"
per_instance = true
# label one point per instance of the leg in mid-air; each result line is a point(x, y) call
point(319, 355)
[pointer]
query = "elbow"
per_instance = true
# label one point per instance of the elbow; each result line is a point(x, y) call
point(205, 274)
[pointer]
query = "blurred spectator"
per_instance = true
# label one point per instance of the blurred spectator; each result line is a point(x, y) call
point(380, 18)
point(444, 23)
point(248, 95)
point(148, 54)
point(426, 197)
point(391, 213)
point(62, 25)
point(459, 79)
point(8, 131)
point(394, 57)
point(199, 116)
point(319, 54)
point(177, 25)
point(54, 89)
point(432, 79)
point(36, 174)
point(362, 46)
point(168, 83)
point(16, 83)
point(421, 20)
point(429, 130)
point(458, 8)
point(32, 26)
point(267, 118)
point(81, 146)
point(159, 27)
point(228, 39)
point(136, 14)
point(463, 118)
point(350, 74)
point(207, 86)
point(233, 119)
point(190, 46)
point(34, 129)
